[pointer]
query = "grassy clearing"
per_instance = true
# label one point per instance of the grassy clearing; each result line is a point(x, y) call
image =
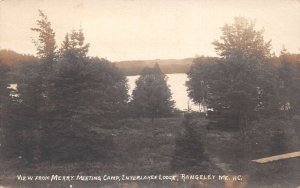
point(264, 138)
point(142, 148)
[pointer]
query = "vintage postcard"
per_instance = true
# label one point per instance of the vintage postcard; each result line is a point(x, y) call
point(149, 93)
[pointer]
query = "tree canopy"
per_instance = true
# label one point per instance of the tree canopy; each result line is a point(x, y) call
point(4, 101)
point(46, 44)
point(152, 96)
point(60, 100)
point(73, 47)
point(240, 41)
point(289, 81)
point(239, 84)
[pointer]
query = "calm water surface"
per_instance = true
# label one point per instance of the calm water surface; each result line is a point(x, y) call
point(176, 83)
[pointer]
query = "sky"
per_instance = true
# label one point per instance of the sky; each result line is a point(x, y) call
point(148, 29)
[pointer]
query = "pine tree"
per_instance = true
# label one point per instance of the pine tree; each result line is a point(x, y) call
point(152, 96)
point(87, 92)
point(35, 86)
point(189, 151)
point(60, 101)
point(46, 44)
point(73, 47)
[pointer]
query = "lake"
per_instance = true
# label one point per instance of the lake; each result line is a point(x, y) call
point(177, 86)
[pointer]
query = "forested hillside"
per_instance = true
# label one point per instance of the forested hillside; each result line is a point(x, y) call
point(168, 66)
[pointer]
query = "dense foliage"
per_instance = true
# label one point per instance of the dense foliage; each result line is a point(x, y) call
point(189, 150)
point(65, 99)
point(243, 82)
point(60, 99)
point(289, 81)
point(4, 102)
point(46, 44)
point(152, 96)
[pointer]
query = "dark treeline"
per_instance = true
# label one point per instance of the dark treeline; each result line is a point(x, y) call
point(128, 68)
point(58, 99)
point(62, 94)
point(11, 58)
point(167, 66)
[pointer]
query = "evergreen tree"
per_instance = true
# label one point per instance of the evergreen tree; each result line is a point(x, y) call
point(189, 151)
point(152, 96)
point(73, 47)
point(46, 44)
point(34, 90)
point(87, 92)
point(61, 100)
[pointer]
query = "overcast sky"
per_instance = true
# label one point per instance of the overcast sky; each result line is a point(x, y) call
point(148, 29)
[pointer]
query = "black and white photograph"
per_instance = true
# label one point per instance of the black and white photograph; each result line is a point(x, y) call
point(149, 94)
